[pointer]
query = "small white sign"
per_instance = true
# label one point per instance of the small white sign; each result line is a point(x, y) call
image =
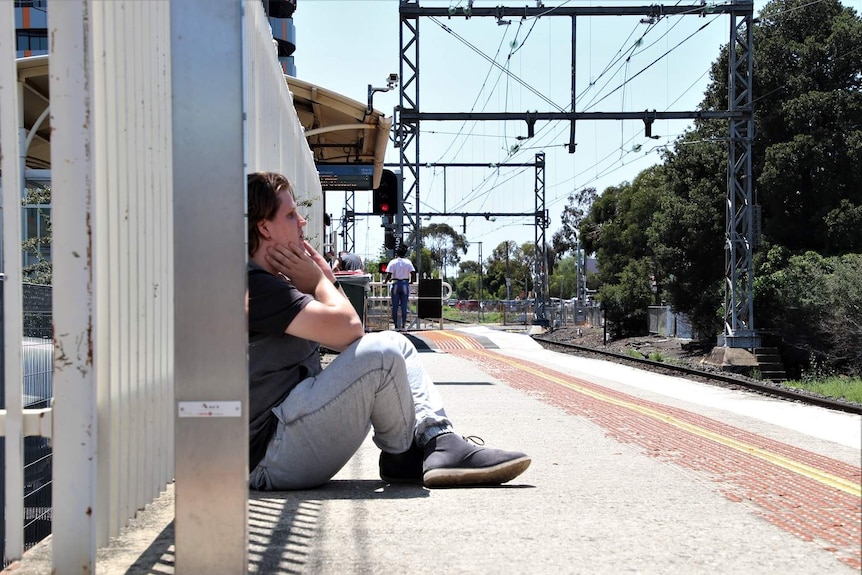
point(210, 408)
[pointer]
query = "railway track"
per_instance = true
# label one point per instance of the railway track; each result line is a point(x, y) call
point(721, 379)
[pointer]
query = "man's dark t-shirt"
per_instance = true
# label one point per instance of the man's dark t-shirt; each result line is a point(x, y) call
point(277, 361)
point(350, 262)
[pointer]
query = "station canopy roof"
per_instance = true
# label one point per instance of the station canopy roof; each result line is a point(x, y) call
point(33, 74)
point(338, 129)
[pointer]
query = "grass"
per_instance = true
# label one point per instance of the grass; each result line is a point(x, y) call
point(849, 388)
point(655, 356)
point(454, 314)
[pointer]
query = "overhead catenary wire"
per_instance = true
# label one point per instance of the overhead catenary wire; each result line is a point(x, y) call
point(495, 63)
point(514, 153)
point(473, 107)
point(498, 178)
point(632, 78)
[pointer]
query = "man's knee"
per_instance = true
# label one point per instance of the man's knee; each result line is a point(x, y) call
point(388, 344)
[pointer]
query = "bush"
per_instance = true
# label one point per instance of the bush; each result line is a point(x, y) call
point(815, 304)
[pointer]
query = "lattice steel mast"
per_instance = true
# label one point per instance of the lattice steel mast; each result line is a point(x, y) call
point(739, 316)
point(739, 231)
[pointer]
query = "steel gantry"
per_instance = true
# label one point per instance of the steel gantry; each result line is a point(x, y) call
point(540, 282)
point(739, 317)
point(739, 231)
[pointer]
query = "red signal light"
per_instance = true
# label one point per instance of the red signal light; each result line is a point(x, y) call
point(384, 199)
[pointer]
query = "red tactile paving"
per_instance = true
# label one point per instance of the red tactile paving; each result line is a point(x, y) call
point(795, 501)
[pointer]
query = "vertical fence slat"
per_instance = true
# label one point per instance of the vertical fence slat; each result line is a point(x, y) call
point(72, 160)
point(165, 242)
point(114, 230)
point(11, 114)
point(148, 493)
point(125, 398)
point(103, 150)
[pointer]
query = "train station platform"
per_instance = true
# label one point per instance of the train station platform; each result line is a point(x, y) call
point(632, 472)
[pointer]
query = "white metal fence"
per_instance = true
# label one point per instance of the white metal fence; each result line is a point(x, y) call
point(157, 111)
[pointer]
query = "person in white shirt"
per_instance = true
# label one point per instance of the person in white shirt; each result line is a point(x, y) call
point(401, 272)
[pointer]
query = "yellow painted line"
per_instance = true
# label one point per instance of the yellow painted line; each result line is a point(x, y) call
point(800, 468)
point(465, 341)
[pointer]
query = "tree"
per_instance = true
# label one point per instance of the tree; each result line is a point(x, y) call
point(39, 272)
point(625, 301)
point(616, 229)
point(508, 260)
point(565, 240)
point(806, 153)
point(444, 244)
point(844, 227)
point(562, 283)
point(687, 232)
point(808, 112)
point(813, 303)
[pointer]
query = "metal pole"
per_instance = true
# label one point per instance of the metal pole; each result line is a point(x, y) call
point(12, 170)
point(211, 507)
point(481, 311)
point(577, 271)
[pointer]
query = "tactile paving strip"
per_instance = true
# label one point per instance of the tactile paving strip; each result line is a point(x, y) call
point(814, 497)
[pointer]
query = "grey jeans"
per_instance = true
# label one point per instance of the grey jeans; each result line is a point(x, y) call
point(378, 382)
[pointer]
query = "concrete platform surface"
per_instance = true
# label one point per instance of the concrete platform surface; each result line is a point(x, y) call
point(632, 472)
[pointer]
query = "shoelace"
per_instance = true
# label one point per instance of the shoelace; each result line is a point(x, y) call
point(474, 439)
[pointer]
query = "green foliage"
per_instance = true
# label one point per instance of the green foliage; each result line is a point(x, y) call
point(616, 229)
point(563, 282)
point(565, 240)
point(815, 304)
point(509, 260)
point(625, 302)
point(808, 147)
point(631, 352)
point(656, 356)
point(444, 246)
point(687, 232)
point(41, 271)
point(428, 267)
point(806, 153)
point(463, 282)
point(843, 227)
point(849, 388)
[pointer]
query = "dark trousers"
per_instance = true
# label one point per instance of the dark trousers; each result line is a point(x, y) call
point(400, 293)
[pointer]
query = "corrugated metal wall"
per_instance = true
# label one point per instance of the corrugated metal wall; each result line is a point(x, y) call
point(119, 346)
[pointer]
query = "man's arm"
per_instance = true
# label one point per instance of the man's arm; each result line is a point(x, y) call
point(330, 319)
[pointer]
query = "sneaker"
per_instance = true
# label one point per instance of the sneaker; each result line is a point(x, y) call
point(402, 467)
point(452, 460)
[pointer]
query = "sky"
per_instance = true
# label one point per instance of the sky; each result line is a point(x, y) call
point(478, 64)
